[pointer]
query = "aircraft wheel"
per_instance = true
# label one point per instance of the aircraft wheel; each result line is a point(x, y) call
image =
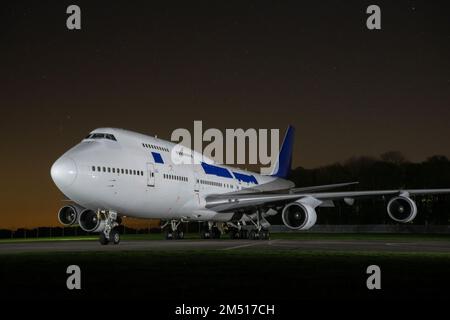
point(204, 234)
point(252, 235)
point(114, 236)
point(169, 235)
point(180, 235)
point(215, 233)
point(265, 235)
point(102, 239)
point(234, 234)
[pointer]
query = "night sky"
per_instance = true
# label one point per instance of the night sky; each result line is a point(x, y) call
point(153, 68)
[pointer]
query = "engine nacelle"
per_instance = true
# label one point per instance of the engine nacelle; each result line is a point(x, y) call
point(402, 209)
point(68, 215)
point(89, 221)
point(299, 216)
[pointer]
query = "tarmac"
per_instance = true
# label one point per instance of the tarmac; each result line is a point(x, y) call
point(227, 245)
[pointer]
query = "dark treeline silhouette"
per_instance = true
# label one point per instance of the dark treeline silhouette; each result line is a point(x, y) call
point(390, 171)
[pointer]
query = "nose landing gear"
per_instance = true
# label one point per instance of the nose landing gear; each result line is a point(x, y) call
point(110, 233)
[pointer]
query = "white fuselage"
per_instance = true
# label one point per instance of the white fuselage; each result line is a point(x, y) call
point(134, 175)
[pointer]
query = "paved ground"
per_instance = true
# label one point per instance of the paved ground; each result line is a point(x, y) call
point(305, 245)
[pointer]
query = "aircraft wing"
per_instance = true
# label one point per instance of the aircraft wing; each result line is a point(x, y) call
point(322, 187)
point(232, 202)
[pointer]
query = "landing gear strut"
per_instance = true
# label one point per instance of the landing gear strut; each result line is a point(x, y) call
point(111, 231)
point(173, 232)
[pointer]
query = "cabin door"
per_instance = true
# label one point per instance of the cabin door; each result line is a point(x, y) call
point(150, 174)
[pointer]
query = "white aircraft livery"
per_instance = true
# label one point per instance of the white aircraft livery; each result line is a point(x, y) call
point(114, 173)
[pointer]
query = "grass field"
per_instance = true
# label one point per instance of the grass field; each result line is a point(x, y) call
point(211, 275)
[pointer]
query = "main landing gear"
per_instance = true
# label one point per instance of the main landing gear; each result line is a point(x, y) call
point(249, 232)
point(173, 230)
point(210, 230)
point(110, 232)
point(258, 229)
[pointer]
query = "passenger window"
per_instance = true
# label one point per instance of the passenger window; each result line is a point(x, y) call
point(104, 169)
point(98, 169)
point(114, 170)
point(93, 168)
point(109, 170)
point(126, 171)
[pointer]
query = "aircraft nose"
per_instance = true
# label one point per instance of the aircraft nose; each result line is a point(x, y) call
point(64, 171)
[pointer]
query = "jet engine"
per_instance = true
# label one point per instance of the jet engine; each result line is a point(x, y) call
point(299, 216)
point(91, 222)
point(68, 215)
point(402, 209)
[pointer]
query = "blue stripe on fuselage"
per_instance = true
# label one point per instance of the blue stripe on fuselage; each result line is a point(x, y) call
point(215, 170)
point(245, 177)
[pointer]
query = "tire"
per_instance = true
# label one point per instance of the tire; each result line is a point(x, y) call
point(169, 235)
point(114, 236)
point(235, 234)
point(215, 233)
point(263, 235)
point(102, 239)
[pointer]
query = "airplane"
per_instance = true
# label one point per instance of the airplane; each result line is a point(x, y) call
point(115, 173)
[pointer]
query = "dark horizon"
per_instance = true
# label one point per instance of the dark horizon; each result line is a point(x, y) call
point(152, 68)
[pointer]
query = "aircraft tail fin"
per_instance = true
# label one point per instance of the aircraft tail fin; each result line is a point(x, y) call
point(284, 161)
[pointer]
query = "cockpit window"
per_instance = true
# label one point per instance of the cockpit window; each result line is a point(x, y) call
point(101, 136)
point(110, 137)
